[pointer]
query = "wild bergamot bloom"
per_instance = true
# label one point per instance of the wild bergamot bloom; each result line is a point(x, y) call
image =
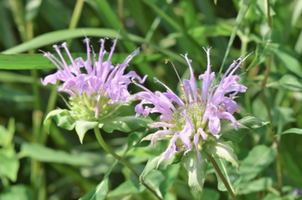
point(93, 93)
point(96, 87)
point(197, 119)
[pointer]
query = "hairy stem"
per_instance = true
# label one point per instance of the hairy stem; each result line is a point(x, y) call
point(120, 159)
point(222, 177)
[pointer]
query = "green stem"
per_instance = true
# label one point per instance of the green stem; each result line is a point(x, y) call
point(263, 84)
point(222, 177)
point(75, 17)
point(100, 139)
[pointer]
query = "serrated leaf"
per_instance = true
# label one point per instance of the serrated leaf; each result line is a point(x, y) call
point(221, 149)
point(82, 127)
point(102, 189)
point(230, 173)
point(9, 163)
point(160, 163)
point(125, 124)
point(229, 133)
point(291, 130)
point(45, 154)
point(257, 160)
point(62, 118)
point(196, 170)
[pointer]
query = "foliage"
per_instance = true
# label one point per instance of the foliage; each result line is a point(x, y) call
point(266, 148)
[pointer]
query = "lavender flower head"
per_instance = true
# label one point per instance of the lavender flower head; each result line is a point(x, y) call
point(96, 93)
point(192, 122)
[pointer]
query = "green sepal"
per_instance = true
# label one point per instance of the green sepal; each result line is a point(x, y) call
point(222, 149)
point(62, 117)
point(196, 170)
point(159, 162)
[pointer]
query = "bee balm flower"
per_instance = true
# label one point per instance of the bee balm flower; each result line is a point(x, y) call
point(191, 123)
point(94, 94)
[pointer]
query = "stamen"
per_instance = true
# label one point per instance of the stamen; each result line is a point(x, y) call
point(181, 84)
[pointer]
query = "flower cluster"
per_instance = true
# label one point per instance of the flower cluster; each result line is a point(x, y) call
point(94, 93)
point(191, 122)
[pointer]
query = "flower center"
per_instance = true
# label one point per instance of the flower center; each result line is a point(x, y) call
point(194, 111)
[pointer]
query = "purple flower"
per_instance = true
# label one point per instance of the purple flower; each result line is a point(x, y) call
point(189, 124)
point(103, 84)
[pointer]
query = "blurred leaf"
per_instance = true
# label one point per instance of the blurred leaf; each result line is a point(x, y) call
point(9, 163)
point(211, 30)
point(261, 184)
point(290, 154)
point(246, 124)
point(170, 176)
point(243, 9)
point(291, 63)
point(125, 124)
point(134, 139)
point(269, 45)
point(291, 130)
point(125, 188)
point(38, 61)
point(62, 118)
point(209, 194)
point(102, 189)
point(196, 170)
point(17, 192)
point(45, 154)
point(282, 116)
point(231, 174)
point(257, 160)
point(15, 95)
point(31, 9)
point(223, 150)
point(6, 135)
point(159, 162)
point(82, 127)
point(272, 196)
point(291, 83)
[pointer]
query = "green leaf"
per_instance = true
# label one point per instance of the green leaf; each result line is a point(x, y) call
point(62, 118)
point(291, 130)
point(257, 160)
point(102, 189)
point(170, 176)
point(82, 127)
point(45, 154)
point(291, 63)
point(134, 139)
point(196, 169)
point(159, 162)
point(17, 192)
point(231, 174)
point(38, 61)
point(125, 124)
point(258, 185)
point(6, 135)
point(243, 9)
point(246, 124)
point(209, 194)
point(290, 82)
point(9, 163)
point(282, 116)
point(32, 9)
point(265, 48)
point(222, 149)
